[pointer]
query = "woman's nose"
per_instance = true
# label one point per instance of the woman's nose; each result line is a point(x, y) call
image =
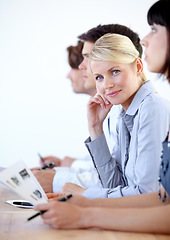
point(108, 83)
point(143, 42)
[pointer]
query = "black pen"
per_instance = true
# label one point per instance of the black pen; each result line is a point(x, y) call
point(64, 199)
point(49, 165)
point(42, 159)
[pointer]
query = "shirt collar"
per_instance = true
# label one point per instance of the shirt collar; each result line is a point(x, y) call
point(145, 90)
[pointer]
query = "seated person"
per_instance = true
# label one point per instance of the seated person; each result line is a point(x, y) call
point(149, 212)
point(89, 39)
point(133, 166)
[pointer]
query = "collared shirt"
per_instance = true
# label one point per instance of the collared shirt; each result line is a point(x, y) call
point(133, 166)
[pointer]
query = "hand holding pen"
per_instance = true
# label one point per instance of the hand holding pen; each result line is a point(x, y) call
point(49, 165)
point(64, 199)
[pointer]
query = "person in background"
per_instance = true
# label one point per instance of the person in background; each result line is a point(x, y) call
point(75, 75)
point(78, 85)
point(139, 213)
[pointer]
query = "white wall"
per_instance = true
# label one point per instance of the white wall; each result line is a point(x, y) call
point(38, 110)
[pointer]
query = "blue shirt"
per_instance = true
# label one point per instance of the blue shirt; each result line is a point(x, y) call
point(165, 167)
point(133, 166)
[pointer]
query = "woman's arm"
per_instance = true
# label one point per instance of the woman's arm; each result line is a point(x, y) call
point(135, 201)
point(139, 201)
point(67, 216)
point(150, 220)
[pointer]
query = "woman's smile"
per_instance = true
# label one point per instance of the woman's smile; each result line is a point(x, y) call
point(113, 94)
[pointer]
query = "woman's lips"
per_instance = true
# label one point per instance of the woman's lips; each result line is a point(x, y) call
point(112, 94)
point(84, 76)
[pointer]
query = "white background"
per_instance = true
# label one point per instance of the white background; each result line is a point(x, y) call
point(38, 110)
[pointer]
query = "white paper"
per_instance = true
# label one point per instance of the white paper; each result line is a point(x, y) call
point(20, 179)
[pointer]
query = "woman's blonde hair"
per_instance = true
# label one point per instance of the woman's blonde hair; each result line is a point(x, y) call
point(115, 48)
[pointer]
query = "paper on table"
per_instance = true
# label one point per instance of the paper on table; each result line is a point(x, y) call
point(20, 179)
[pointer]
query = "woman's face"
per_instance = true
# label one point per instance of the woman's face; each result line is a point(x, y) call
point(117, 82)
point(156, 45)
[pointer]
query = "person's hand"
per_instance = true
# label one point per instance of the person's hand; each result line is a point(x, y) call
point(48, 159)
point(78, 200)
point(97, 110)
point(35, 168)
point(67, 161)
point(52, 196)
point(61, 215)
point(72, 188)
point(45, 178)
point(58, 162)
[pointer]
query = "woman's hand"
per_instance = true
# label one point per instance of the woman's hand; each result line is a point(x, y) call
point(97, 110)
point(60, 215)
point(78, 200)
point(55, 196)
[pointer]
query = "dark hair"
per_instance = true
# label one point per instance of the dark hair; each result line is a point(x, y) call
point(95, 33)
point(75, 55)
point(159, 14)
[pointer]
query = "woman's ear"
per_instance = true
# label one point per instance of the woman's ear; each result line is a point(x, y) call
point(139, 66)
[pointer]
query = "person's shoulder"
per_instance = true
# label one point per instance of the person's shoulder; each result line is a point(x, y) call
point(155, 103)
point(154, 98)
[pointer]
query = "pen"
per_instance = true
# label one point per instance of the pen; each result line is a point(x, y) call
point(47, 166)
point(64, 199)
point(42, 159)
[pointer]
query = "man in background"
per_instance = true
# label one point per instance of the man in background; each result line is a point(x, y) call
point(78, 85)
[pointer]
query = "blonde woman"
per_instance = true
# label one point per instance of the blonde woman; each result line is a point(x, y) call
point(133, 166)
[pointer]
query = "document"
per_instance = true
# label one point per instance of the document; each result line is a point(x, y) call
point(21, 180)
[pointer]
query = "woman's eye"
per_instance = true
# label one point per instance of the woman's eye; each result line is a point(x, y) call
point(98, 78)
point(115, 72)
